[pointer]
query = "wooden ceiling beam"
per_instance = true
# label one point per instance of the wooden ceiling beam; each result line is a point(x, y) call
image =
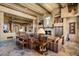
point(22, 5)
point(43, 8)
point(34, 7)
point(16, 17)
point(49, 6)
point(21, 21)
point(19, 8)
point(17, 13)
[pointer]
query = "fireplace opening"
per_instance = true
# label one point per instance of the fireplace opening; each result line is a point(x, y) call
point(48, 32)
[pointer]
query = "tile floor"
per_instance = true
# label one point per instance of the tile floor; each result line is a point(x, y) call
point(9, 48)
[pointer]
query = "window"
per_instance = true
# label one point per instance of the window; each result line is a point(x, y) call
point(15, 28)
point(47, 22)
point(5, 28)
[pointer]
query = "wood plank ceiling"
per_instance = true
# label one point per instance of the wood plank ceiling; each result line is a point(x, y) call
point(33, 9)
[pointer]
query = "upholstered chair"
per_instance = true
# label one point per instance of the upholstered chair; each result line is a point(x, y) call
point(57, 44)
point(22, 40)
point(31, 41)
point(51, 45)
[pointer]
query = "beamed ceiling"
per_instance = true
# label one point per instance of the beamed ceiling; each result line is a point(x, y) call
point(33, 9)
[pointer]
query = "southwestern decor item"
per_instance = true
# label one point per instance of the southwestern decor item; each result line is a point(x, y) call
point(73, 6)
point(72, 28)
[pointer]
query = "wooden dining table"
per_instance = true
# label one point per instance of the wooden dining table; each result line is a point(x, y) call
point(43, 44)
point(51, 38)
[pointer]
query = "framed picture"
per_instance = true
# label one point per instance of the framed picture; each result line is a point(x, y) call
point(72, 28)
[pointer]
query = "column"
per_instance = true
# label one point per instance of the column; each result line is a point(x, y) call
point(52, 17)
point(53, 32)
point(34, 26)
point(77, 31)
point(1, 24)
point(65, 30)
point(12, 27)
point(27, 28)
point(37, 26)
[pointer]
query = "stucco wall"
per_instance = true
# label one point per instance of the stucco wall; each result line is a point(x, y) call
point(77, 37)
point(68, 18)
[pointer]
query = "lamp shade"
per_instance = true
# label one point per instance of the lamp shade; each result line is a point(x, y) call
point(41, 31)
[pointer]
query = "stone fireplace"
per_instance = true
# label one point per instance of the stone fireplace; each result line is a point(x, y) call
point(49, 31)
